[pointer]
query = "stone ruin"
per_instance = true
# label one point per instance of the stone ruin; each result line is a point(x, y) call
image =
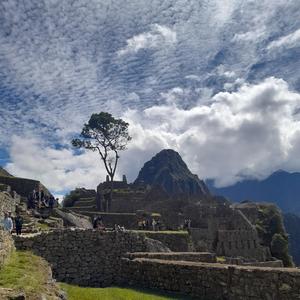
point(181, 262)
point(217, 226)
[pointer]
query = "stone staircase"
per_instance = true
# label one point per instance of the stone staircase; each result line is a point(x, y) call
point(36, 221)
point(84, 205)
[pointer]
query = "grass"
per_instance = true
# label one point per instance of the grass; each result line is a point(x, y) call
point(43, 226)
point(221, 259)
point(162, 231)
point(114, 293)
point(26, 272)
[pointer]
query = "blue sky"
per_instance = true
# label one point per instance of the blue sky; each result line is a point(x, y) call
point(216, 80)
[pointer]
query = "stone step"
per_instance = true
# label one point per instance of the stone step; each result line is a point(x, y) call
point(101, 213)
point(82, 208)
point(88, 199)
point(84, 203)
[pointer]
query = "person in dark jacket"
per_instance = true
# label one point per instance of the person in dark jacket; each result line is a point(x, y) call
point(19, 224)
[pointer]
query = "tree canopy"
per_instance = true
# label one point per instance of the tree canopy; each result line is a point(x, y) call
point(106, 135)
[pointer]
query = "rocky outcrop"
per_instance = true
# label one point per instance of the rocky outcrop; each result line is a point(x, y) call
point(168, 170)
point(3, 172)
point(72, 219)
point(155, 246)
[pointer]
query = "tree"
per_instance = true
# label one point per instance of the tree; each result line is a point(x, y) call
point(279, 249)
point(106, 135)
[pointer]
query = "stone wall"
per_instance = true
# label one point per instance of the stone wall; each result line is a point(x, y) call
point(180, 256)
point(84, 257)
point(240, 243)
point(22, 186)
point(7, 203)
point(92, 258)
point(128, 220)
point(175, 241)
point(213, 281)
point(6, 246)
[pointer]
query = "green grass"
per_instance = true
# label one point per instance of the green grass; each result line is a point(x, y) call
point(114, 293)
point(162, 231)
point(43, 226)
point(25, 272)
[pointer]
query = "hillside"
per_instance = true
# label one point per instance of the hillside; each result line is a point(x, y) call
point(281, 188)
point(168, 170)
point(3, 172)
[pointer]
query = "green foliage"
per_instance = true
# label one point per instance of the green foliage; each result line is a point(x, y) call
point(106, 135)
point(279, 249)
point(271, 231)
point(114, 293)
point(103, 133)
point(71, 198)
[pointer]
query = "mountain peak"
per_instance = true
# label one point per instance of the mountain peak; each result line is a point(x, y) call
point(167, 169)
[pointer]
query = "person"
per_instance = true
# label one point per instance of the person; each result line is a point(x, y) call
point(144, 225)
point(140, 225)
point(153, 224)
point(31, 201)
point(19, 224)
point(8, 223)
point(51, 202)
point(95, 222)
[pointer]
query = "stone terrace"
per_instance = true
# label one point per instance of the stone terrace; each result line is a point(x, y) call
point(92, 258)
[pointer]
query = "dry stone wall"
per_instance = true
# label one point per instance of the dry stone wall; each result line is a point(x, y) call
point(92, 258)
point(7, 203)
point(180, 256)
point(6, 246)
point(175, 241)
point(84, 257)
point(213, 281)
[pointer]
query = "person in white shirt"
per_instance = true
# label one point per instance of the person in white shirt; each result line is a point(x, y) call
point(8, 224)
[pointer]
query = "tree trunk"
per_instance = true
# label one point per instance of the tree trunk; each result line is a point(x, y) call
point(108, 204)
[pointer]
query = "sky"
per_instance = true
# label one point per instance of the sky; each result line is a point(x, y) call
point(216, 80)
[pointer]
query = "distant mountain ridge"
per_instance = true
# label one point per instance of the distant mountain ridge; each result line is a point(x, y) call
point(281, 188)
point(3, 172)
point(168, 170)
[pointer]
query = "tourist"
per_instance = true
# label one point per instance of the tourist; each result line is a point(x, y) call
point(95, 222)
point(140, 225)
point(153, 224)
point(158, 225)
point(100, 225)
point(36, 195)
point(144, 225)
point(31, 204)
point(51, 202)
point(8, 223)
point(19, 224)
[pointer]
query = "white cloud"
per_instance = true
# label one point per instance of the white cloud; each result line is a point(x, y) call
point(158, 37)
point(253, 131)
point(250, 36)
point(58, 65)
point(247, 132)
point(58, 169)
point(288, 41)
